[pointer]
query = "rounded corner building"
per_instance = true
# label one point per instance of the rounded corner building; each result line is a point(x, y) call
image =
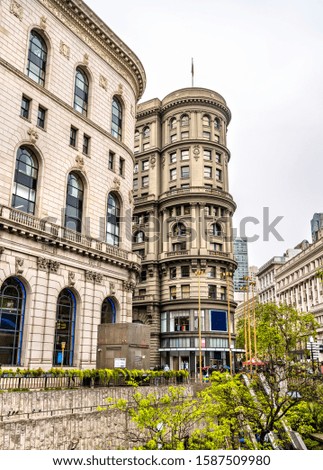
point(182, 229)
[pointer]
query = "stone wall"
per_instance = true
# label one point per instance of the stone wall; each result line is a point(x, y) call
point(62, 420)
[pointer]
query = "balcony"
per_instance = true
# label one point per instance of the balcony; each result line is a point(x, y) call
point(177, 253)
point(42, 229)
point(194, 190)
point(218, 253)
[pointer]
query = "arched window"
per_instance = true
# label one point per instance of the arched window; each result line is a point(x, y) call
point(146, 132)
point(217, 123)
point(108, 311)
point(64, 329)
point(25, 182)
point(37, 57)
point(81, 91)
point(113, 220)
point(216, 230)
point(206, 120)
point(12, 311)
point(184, 120)
point(116, 124)
point(139, 237)
point(179, 230)
point(172, 123)
point(74, 203)
point(136, 134)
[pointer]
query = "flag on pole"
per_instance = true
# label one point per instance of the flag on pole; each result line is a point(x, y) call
point(192, 71)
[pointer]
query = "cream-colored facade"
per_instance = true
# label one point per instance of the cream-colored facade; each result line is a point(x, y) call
point(297, 283)
point(182, 226)
point(69, 88)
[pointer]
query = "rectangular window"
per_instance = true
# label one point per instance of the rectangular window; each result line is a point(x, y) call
point(172, 157)
point(172, 292)
point(211, 273)
point(187, 210)
point(218, 320)
point(206, 135)
point(172, 272)
point(207, 154)
point(25, 107)
point(212, 292)
point(207, 172)
point(73, 136)
point(121, 166)
point(178, 210)
point(86, 144)
point(41, 117)
point(218, 174)
point(172, 174)
point(180, 321)
point(172, 188)
point(184, 135)
point(179, 246)
point(216, 138)
point(142, 292)
point(185, 186)
point(185, 271)
point(145, 165)
point(217, 247)
point(185, 172)
point(185, 292)
point(208, 186)
point(145, 181)
point(136, 149)
point(173, 138)
point(135, 168)
point(163, 322)
point(146, 146)
point(223, 293)
point(135, 184)
point(111, 161)
point(185, 155)
point(218, 157)
point(143, 276)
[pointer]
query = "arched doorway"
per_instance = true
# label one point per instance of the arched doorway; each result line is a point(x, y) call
point(12, 312)
point(108, 311)
point(64, 329)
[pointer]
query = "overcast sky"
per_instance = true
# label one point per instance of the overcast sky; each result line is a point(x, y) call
point(265, 57)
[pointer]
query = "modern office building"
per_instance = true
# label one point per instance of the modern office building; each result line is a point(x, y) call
point(182, 228)
point(69, 88)
point(240, 251)
point(316, 225)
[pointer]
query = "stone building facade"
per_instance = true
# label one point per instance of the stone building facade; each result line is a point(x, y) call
point(69, 88)
point(182, 228)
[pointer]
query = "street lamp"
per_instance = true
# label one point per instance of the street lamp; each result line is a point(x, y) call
point(254, 318)
point(228, 275)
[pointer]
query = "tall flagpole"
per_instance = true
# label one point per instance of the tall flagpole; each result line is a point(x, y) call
point(192, 72)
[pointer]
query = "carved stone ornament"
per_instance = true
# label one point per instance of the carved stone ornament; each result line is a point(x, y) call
point(42, 264)
point(196, 151)
point(79, 160)
point(153, 161)
point(33, 135)
point(103, 82)
point(94, 277)
point(163, 161)
point(71, 278)
point(129, 286)
point(64, 49)
point(86, 59)
point(19, 265)
point(48, 265)
point(120, 89)
point(43, 22)
point(16, 9)
point(112, 288)
point(131, 198)
point(116, 183)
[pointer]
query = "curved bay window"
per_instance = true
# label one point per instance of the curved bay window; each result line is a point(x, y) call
point(12, 310)
point(65, 329)
point(25, 183)
point(37, 57)
point(113, 220)
point(184, 120)
point(179, 230)
point(74, 203)
point(216, 230)
point(108, 311)
point(81, 91)
point(116, 124)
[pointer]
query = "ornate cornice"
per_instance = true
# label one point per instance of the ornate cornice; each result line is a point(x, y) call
point(80, 19)
point(189, 101)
